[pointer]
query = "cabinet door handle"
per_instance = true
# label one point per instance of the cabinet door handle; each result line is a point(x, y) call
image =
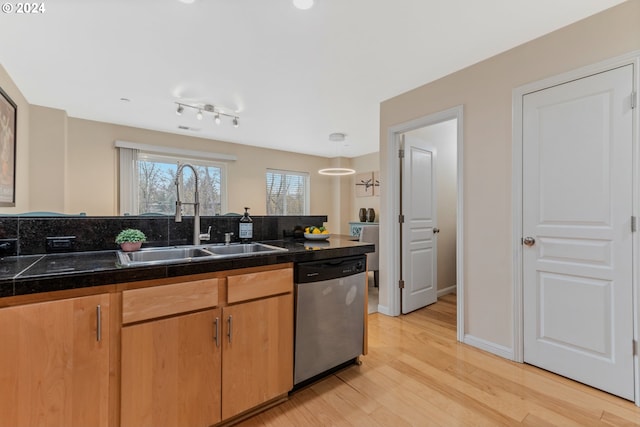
point(216, 322)
point(230, 332)
point(98, 323)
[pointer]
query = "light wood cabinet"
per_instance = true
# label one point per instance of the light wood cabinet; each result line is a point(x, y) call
point(170, 368)
point(257, 358)
point(54, 359)
point(171, 371)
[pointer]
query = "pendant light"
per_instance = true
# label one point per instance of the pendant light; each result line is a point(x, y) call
point(337, 171)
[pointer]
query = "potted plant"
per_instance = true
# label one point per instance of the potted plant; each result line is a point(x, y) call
point(130, 239)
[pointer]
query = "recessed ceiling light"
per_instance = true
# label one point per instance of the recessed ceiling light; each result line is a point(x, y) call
point(303, 4)
point(337, 136)
point(187, 1)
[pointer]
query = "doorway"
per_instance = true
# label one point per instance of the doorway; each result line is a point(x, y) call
point(575, 154)
point(441, 128)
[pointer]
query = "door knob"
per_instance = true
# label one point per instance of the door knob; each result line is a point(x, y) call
point(528, 241)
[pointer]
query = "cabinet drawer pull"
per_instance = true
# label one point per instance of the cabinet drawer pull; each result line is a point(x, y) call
point(98, 323)
point(216, 322)
point(230, 332)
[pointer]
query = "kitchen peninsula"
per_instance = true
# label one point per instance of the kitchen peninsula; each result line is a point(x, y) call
point(197, 343)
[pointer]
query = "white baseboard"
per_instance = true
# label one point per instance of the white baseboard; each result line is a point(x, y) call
point(498, 350)
point(446, 291)
point(383, 309)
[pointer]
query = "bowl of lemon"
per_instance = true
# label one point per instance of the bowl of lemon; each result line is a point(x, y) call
point(316, 233)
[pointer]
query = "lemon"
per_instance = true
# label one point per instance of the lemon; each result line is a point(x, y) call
point(316, 231)
point(325, 232)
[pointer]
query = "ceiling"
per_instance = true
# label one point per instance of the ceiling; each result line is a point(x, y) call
point(293, 76)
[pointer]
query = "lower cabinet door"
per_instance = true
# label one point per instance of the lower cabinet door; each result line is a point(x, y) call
point(171, 371)
point(54, 363)
point(257, 362)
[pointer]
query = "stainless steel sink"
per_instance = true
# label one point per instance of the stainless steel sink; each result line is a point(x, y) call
point(175, 254)
point(239, 249)
point(149, 256)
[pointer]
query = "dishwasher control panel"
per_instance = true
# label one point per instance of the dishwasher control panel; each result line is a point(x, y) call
point(315, 271)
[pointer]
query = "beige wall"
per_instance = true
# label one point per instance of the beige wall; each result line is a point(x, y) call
point(22, 144)
point(367, 163)
point(70, 165)
point(443, 137)
point(485, 91)
point(91, 153)
point(48, 160)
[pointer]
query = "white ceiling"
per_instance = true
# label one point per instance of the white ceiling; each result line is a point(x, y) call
point(294, 76)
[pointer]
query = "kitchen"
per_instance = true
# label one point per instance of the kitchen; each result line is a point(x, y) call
point(487, 328)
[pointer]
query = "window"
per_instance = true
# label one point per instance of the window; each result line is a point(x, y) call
point(287, 193)
point(147, 183)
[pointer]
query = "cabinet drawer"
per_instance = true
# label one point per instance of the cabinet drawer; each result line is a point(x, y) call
point(259, 285)
point(149, 303)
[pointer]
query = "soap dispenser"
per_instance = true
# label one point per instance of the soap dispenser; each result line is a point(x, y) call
point(246, 227)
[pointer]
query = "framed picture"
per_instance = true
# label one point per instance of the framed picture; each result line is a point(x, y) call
point(364, 184)
point(8, 121)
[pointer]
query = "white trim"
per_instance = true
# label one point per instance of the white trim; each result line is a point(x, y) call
point(447, 291)
point(518, 93)
point(498, 350)
point(176, 151)
point(392, 209)
point(383, 309)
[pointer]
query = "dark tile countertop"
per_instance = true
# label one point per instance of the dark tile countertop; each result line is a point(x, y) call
point(32, 274)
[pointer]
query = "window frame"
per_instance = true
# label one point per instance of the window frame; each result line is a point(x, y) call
point(307, 189)
point(129, 175)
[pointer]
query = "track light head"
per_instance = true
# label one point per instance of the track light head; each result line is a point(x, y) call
point(235, 122)
point(179, 110)
point(199, 115)
point(217, 118)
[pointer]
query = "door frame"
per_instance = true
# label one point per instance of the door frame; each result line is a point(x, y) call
point(518, 94)
point(392, 210)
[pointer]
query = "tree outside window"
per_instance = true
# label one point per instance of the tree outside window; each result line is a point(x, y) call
point(157, 190)
point(287, 192)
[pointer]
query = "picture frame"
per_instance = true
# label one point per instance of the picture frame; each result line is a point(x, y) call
point(8, 140)
point(364, 184)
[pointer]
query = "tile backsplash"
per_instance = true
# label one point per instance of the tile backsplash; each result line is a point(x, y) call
point(28, 235)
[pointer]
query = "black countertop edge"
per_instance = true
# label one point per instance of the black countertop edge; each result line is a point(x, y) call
point(55, 272)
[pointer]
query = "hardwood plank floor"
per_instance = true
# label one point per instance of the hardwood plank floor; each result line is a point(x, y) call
point(417, 374)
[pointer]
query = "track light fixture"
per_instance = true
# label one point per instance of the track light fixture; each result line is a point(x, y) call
point(208, 108)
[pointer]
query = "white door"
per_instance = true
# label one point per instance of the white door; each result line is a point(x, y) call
point(577, 253)
point(419, 249)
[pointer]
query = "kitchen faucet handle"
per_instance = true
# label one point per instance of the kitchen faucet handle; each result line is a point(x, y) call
point(227, 238)
point(207, 235)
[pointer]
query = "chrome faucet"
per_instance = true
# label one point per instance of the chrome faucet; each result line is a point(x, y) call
point(197, 236)
point(227, 238)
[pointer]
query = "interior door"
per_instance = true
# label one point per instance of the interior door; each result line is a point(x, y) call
point(577, 208)
point(419, 230)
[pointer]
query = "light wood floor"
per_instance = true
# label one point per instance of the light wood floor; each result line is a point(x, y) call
point(416, 374)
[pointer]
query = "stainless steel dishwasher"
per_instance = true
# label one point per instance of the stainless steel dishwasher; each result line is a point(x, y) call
point(329, 325)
